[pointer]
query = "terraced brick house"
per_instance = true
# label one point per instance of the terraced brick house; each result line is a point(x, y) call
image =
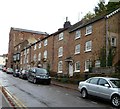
point(77, 48)
point(18, 40)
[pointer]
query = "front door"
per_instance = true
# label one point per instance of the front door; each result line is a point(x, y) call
point(70, 69)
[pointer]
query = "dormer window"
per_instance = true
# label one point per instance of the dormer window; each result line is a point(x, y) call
point(88, 30)
point(61, 36)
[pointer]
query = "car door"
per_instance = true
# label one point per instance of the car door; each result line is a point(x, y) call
point(92, 86)
point(31, 74)
point(104, 88)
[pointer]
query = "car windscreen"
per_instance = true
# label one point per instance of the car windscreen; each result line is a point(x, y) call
point(115, 83)
point(41, 71)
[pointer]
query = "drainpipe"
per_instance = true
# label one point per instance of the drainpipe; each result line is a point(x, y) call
point(107, 51)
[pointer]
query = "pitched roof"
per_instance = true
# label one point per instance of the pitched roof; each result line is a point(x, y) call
point(29, 31)
point(83, 23)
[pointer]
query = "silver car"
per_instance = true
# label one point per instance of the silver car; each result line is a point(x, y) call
point(104, 87)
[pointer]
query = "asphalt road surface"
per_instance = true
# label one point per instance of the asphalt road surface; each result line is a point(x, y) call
point(3, 101)
point(40, 95)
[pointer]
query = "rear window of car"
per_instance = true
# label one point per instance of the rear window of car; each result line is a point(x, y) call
point(43, 71)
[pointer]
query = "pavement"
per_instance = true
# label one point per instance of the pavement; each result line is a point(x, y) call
point(65, 85)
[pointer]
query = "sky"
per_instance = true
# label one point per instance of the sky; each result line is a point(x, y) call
point(39, 15)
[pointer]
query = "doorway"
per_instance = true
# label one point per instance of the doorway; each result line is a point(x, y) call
point(70, 69)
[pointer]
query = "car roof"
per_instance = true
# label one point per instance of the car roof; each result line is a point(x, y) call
point(108, 78)
point(37, 68)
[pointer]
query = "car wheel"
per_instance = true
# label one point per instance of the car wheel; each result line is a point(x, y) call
point(115, 100)
point(84, 93)
point(35, 81)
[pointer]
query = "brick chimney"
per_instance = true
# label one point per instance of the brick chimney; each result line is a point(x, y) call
point(67, 23)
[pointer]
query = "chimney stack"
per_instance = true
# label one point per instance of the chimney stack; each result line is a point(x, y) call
point(67, 23)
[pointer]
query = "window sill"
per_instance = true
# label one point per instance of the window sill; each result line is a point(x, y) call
point(59, 72)
point(77, 53)
point(77, 71)
point(60, 56)
point(88, 34)
point(86, 70)
point(87, 51)
point(60, 39)
point(77, 38)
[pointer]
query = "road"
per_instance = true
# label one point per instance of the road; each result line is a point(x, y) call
point(38, 95)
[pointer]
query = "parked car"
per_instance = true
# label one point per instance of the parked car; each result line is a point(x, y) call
point(16, 73)
point(104, 87)
point(9, 70)
point(1, 67)
point(4, 69)
point(23, 74)
point(36, 75)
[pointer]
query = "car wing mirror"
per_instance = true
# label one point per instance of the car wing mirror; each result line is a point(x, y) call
point(107, 85)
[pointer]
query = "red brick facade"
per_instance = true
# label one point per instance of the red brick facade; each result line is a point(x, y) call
point(17, 37)
point(75, 48)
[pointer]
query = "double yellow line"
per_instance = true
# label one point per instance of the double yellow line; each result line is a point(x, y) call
point(14, 102)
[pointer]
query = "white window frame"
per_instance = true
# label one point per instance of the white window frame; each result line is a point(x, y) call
point(24, 51)
point(39, 56)
point(77, 49)
point(113, 44)
point(77, 34)
point(39, 45)
point(35, 47)
point(45, 54)
point(19, 46)
point(88, 64)
point(35, 57)
point(77, 70)
point(88, 46)
point(27, 51)
point(60, 67)
point(45, 42)
point(27, 59)
point(97, 63)
point(60, 52)
point(61, 35)
point(21, 60)
point(88, 30)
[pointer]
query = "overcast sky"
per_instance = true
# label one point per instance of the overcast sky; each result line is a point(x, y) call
point(39, 15)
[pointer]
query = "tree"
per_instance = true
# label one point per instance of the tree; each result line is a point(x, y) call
point(89, 16)
point(101, 8)
point(111, 6)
